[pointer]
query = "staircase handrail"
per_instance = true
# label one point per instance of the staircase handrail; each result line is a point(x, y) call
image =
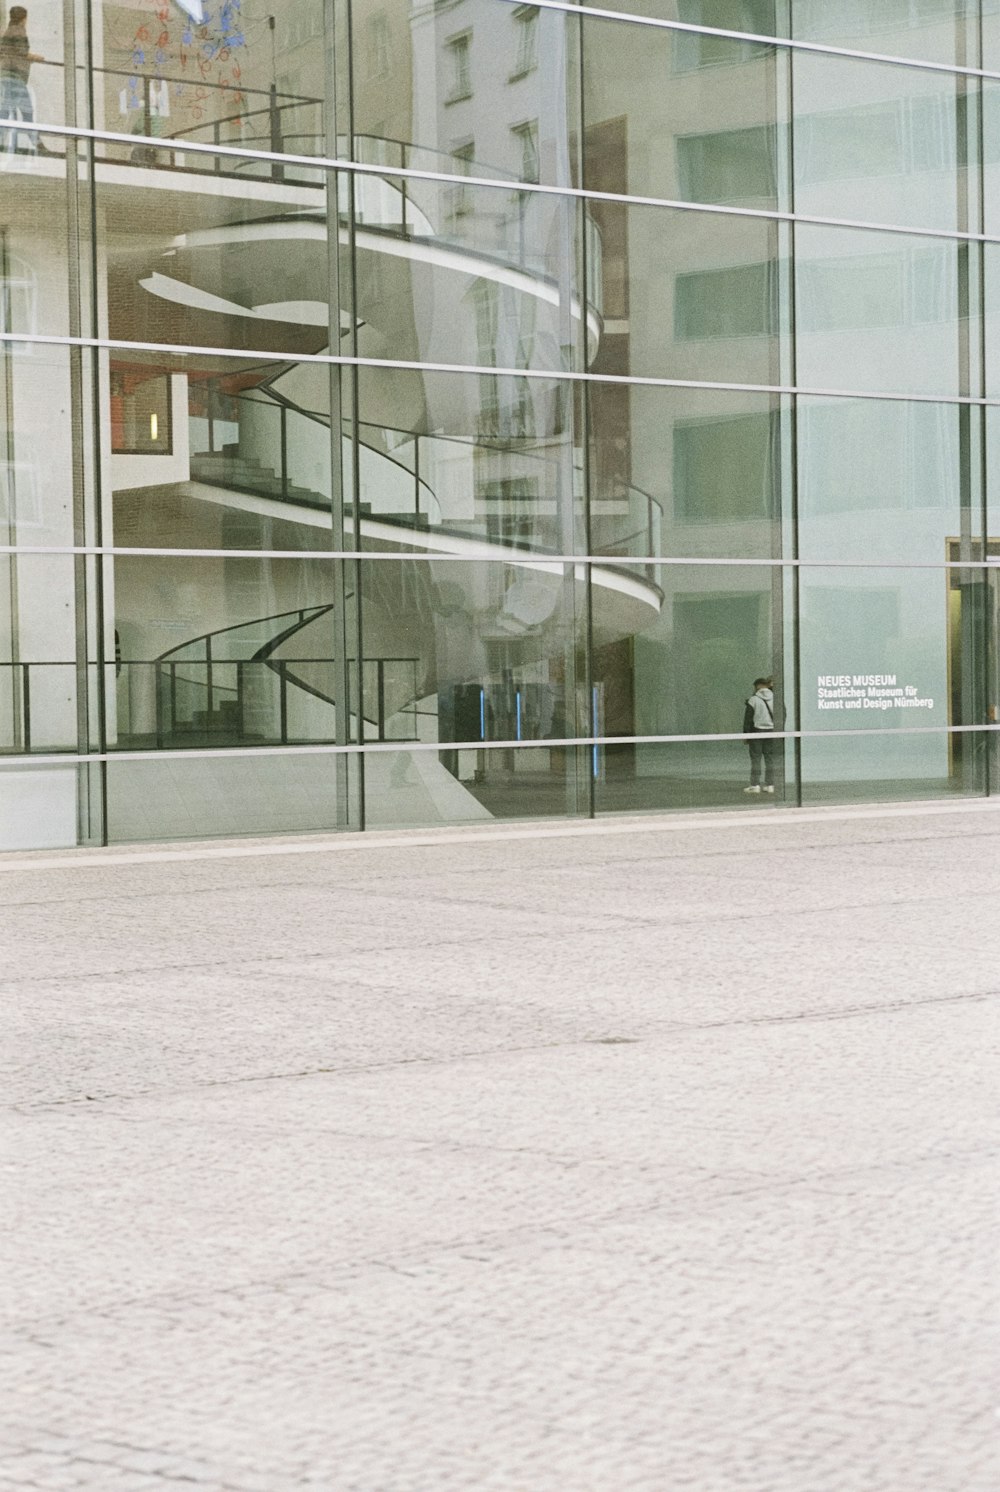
point(303, 613)
point(647, 532)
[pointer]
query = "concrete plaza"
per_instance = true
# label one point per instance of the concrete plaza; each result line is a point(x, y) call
point(650, 1155)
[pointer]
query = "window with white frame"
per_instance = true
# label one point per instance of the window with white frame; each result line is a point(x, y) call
point(378, 45)
point(459, 50)
point(526, 138)
point(526, 33)
point(460, 198)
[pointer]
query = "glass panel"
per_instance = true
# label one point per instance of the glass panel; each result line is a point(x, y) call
point(36, 444)
point(34, 293)
point(38, 651)
point(677, 650)
point(236, 259)
point(991, 277)
point(890, 660)
point(691, 472)
point(238, 72)
point(249, 467)
point(36, 79)
point(479, 456)
point(991, 154)
point(218, 652)
point(478, 653)
point(695, 49)
point(880, 144)
point(479, 89)
point(887, 481)
point(694, 295)
point(449, 273)
point(196, 797)
point(992, 474)
point(883, 766)
point(242, 458)
point(655, 777)
point(469, 785)
point(229, 257)
point(880, 312)
point(691, 141)
point(925, 30)
point(717, 636)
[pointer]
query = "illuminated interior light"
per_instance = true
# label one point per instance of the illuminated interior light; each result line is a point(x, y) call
point(154, 427)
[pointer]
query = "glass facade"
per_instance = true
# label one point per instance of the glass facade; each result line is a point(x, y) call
point(423, 414)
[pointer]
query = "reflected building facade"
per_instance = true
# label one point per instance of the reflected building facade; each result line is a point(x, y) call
point(422, 413)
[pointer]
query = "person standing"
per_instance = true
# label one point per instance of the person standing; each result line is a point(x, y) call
point(758, 727)
point(16, 58)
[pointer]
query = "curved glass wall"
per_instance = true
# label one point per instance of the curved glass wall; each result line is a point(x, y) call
point(444, 414)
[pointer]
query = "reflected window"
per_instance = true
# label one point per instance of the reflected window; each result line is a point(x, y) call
point(526, 29)
point(304, 23)
point(459, 49)
point(729, 165)
point(459, 197)
point(817, 19)
point(885, 139)
point(485, 309)
point(692, 51)
point(914, 287)
point(726, 470)
point(526, 139)
point(867, 455)
point(378, 46)
point(740, 300)
point(140, 414)
point(18, 293)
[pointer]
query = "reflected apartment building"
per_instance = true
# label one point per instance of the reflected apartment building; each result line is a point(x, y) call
point(423, 413)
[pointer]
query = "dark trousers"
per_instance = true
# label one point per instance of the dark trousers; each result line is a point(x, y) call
point(762, 752)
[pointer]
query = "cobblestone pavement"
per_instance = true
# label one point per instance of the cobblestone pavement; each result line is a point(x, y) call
point(651, 1156)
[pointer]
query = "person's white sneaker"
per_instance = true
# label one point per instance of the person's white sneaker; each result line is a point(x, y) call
point(769, 790)
point(751, 789)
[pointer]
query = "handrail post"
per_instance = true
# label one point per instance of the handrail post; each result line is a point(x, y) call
point(283, 412)
point(380, 665)
point(158, 696)
point(173, 699)
point(239, 697)
point(403, 192)
point(26, 706)
point(211, 416)
point(209, 685)
point(277, 169)
point(416, 482)
point(283, 700)
point(147, 107)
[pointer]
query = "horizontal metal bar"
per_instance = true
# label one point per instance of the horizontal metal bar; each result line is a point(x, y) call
point(562, 742)
point(537, 189)
point(548, 375)
point(526, 557)
point(761, 38)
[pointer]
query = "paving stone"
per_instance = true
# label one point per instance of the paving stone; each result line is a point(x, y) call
point(651, 1157)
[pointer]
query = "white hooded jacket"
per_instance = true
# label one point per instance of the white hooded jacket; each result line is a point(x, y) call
point(762, 704)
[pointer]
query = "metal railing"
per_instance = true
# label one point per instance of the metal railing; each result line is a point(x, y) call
point(266, 701)
point(513, 226)
point(237, 464)
point(268, 427)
